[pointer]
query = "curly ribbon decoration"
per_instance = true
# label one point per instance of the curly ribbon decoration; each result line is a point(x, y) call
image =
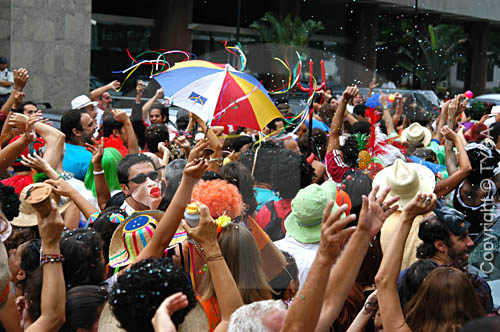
point(240, 54)
point(161, 60)
point(293, 76)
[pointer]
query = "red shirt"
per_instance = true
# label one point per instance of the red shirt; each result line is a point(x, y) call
point(282, 207)
point(335, 166)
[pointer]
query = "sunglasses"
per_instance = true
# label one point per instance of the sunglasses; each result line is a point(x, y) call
point(141, 178)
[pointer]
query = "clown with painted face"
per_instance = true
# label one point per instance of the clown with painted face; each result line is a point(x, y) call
point(140, 182)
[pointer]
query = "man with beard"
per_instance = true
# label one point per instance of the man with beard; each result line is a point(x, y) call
point(446, 241)
point(79, 128)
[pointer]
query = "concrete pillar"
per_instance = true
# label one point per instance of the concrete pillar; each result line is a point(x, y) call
point(173, 17)
point(362, 30)
point(477, 59)
point(51, 39)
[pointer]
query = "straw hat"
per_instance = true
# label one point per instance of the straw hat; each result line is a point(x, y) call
point(415, 133)
point(405, 180)
point(131, 236)
point(27, 214)
point(108, 322)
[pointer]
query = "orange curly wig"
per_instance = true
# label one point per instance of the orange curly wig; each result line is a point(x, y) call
point(220, 197)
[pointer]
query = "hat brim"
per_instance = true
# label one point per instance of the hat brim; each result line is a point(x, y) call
point(93, 103)
point(196, 320)
point(302, 234)
point(427, 182)
point(31, 220)
point(118, 255)
point(425, 141)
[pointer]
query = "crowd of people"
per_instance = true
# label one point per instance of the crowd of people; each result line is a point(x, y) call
point(361, 220)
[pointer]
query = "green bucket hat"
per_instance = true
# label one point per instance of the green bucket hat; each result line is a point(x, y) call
point(304, 222)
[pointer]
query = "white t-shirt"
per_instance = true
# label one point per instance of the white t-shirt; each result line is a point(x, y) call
point(6, 75)
point(303, 253)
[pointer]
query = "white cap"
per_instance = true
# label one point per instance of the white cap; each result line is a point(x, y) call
point(495, 110)
point(82, 101)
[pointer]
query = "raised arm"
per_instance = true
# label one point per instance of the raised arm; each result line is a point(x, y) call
point(101, 185)
point(374, 212)
point(399, 109)
point(387, 275)
point(215, 160)
point(55, 143)
point(9, 154)
point(121, 116)
point(366, 313)
point(444, 187)
point(171, 219)
point(373, 84)
point(388, 119)
point(338, 118)
point(94, 94)
point(305, 310)
point(53, 302)
point(21, 77)
point(147, 106)
point(443, 117)
point(63, 188)
point(226, 290)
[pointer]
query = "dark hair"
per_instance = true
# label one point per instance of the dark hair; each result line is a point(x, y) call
point(172, 184)
point(413, 278)
point(264, 159)
point(425, 154)
point(318, 146)
point(237, 174)
point(30, 260)
point(83, 265)
point(109, 123)
point(83, 307)
point(116, 200)
point(130, 160)
point(163, 109)
point(20, 109)
point(281, 282)
point(236, 143)
point(155, 134)
point(326, 112)
point(9, 202)
point(182, 120)
point(149, 282)
point(477, 110)
point(106, 228)
point(359, 110)
point(69, 121)
point(430, 230)
point(350, 151)
point(491, 323)
point(361, 127)
point(174, 167)
point(272, 124)
point(494, 131)
point(483, 162)
point(290, 172)
point(359, 184)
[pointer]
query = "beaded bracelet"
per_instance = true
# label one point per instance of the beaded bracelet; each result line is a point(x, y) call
point(52, 259)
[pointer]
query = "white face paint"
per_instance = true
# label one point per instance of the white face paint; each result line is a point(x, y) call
point(148, 194)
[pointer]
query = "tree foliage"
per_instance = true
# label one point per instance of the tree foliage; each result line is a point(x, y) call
point(292, 32)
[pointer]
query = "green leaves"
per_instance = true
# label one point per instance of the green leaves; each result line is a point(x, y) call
point(293, 32)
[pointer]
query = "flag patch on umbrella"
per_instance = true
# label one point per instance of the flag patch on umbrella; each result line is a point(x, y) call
point(197, 98)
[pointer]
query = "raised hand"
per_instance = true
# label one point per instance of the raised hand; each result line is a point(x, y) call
point(18, 98)
point(350, 92)
point(161, 320)
point(182, 142)
point(195, 169)
point(205, 233)
point(333, 234)
point(97, 153)
point(197, 151)
point(18, 120)
point(162, 147)
point(139, 87)
point(420, 205)
point(29, 133)
point(383, 99)
point(21, 77)
point(51, 227)
point(35, 162)
point(120, 115)
point(448, 133)
point(375, 211)
point(60, 187)
point(115, 85)
point(159, 93)
point(373, 83)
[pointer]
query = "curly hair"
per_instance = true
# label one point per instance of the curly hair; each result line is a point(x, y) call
point(149, 282)
point(155, 134)
point(413, 278)
point(350, 151)
point(430, 230)
point(318, 146)
point(106, 228)
point(237, 174)
point(290, 172)
point(220, 196)
point(262, 158)
point(9, 202)
point(483, 159)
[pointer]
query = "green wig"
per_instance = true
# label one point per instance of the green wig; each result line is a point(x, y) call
point(110, 160)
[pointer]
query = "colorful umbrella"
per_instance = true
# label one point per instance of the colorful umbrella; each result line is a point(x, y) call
point(219, 94)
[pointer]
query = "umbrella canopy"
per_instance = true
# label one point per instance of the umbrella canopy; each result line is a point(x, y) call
point(207, 89)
